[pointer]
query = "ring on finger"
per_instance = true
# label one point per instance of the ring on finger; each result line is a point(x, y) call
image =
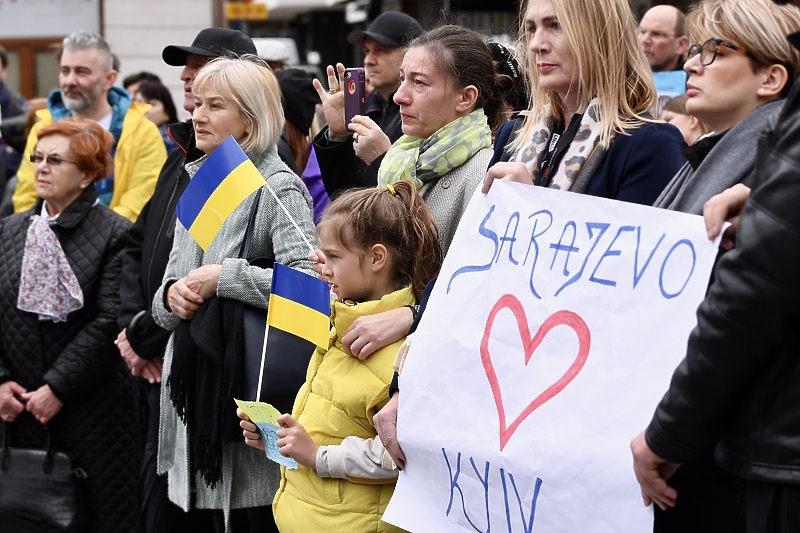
point(355, 137)
point(333, 91)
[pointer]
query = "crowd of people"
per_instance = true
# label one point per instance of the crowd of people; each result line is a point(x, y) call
point(118, 331)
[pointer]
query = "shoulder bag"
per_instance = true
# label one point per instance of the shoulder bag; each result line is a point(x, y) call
point(40, 490)
point(287, 357)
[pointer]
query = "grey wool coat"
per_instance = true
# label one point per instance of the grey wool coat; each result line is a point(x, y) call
point(728, 163)
point(249, 479)
point(447, 196)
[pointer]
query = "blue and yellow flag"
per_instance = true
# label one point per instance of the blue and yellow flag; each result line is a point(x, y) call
point(300, 304)
point(220, 185)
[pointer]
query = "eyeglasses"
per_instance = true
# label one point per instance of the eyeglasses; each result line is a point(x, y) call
point(52, 160)
point(710, 49)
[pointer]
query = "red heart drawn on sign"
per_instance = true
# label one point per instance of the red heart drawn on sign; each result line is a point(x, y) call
point(529, 345)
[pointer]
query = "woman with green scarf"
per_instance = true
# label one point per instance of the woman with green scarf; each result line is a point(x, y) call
point(451, 99)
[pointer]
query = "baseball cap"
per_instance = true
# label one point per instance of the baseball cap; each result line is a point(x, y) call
point(391, 28)
point(210, 42)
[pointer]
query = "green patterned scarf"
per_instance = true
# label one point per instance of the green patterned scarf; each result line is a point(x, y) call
point(423, 160)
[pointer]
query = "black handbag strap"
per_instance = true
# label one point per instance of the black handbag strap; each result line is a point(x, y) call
point(251, 223)
point(49, 448)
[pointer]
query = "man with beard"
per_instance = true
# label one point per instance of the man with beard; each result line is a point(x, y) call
point(87, 90)
point(737, 390)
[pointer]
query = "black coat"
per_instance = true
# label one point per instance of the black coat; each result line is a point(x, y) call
point(737, 391)
point(77, 359)
point(147, 248)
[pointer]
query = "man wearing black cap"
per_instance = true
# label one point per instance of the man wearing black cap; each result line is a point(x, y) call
point(141, 342)
point(352, 158)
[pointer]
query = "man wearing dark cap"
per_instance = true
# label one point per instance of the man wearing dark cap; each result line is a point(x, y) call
point(141, 342)
point(352, 158)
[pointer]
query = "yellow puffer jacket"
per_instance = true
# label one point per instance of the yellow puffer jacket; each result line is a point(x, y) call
point(339, 398)
point(140, 155)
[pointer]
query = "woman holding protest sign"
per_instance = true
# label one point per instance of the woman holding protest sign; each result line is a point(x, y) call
point(740, 69)
point(588, 129)
point(208, 466)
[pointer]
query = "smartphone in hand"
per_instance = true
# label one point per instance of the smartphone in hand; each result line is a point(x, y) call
point(355, 98)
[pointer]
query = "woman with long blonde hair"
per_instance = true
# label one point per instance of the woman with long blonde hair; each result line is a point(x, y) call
point(588, 129)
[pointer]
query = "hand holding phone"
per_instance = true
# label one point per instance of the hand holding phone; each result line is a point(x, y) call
point(355, 98)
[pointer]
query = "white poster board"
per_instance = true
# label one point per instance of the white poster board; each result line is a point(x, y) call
point(551, 334)
point(47, 18)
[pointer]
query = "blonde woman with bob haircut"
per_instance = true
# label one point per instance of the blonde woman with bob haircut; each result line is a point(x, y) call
point(239, 98)
point(588, 129)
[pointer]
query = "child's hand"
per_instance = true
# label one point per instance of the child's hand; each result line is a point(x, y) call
point(318, 258)
point(295, 442)
point(249, 430)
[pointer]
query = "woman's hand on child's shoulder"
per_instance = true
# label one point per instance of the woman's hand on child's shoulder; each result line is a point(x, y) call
point(249, 430)
point(295, 442)
point(368, 334)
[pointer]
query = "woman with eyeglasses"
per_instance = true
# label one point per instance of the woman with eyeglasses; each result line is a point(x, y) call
point(588, 129)
point(740, 68)
point(60, 374)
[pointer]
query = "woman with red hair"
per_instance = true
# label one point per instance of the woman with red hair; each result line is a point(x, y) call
point(60, 373)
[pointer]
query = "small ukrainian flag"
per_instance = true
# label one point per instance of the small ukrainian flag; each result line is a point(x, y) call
point(220, 185)
point(300, 304)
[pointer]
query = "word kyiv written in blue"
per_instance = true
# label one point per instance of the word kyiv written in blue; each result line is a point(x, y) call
point(589, 251)
point(479, 490)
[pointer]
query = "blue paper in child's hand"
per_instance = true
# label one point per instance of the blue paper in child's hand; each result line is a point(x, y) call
point(268, 433)
point(265, 417)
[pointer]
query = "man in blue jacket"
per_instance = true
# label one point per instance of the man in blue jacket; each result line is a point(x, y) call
point(11, 105)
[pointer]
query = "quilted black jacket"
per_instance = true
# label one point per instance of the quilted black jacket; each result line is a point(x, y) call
point(738, 389)
point(78, 359)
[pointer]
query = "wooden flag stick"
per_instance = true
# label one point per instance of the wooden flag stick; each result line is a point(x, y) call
point(291, 218)
point(261, 369)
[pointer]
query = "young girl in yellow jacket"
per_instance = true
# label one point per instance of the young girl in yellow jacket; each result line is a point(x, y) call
point(381, 249)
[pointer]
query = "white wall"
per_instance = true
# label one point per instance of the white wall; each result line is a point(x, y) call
point(138, 30)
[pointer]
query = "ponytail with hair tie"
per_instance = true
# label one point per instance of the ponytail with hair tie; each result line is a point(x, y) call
point(360, 218)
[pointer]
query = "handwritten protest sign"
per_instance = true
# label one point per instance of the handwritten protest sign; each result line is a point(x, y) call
point(550, 336)
point(265, 417)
